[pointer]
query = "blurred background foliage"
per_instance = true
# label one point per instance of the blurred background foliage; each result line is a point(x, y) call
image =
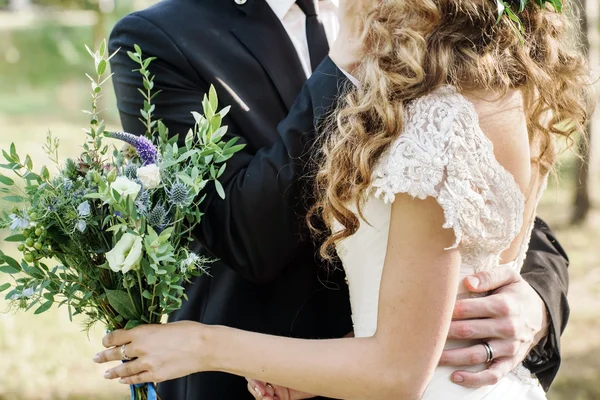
point(43, 86)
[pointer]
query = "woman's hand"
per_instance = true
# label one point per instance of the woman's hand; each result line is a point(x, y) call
point(158, 352)
point(346, 50)
point(266, 391)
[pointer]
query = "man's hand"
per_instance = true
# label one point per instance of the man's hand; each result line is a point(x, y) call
point(513, 319)
point(265, 391)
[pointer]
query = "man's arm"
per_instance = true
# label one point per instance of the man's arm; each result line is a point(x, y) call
point(546, 270)
point(258, 228)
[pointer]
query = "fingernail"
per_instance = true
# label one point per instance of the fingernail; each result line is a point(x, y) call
point(473, 281)
point(258, 392)
point(97, 358)
point(458, 379)
point(107, 375)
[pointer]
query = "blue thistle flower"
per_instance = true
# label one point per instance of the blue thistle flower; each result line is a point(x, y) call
point(130, 171)
point(179, 195)
point(142, 203)
point(144, 147)
point(67, 184)
point(157, 218)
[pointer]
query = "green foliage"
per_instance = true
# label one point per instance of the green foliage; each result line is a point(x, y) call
point(62, 4)
point(117, 264)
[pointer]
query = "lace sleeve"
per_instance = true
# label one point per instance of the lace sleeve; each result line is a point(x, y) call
point(442, 153)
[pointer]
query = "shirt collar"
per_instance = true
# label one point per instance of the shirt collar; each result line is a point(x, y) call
point(281, 7)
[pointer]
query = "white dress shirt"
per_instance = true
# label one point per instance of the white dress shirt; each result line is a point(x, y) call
point(293, 20)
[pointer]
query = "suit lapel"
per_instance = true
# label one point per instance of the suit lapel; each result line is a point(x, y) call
point(261, 32)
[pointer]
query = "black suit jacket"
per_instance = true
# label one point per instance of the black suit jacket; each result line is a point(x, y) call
point(268, 279)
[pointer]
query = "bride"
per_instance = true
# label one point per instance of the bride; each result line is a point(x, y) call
point(431, 169)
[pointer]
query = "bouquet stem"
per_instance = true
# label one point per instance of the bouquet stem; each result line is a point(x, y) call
point(141, 393)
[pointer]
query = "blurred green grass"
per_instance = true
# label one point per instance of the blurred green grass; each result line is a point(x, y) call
point(43, 87)
point(42, 70)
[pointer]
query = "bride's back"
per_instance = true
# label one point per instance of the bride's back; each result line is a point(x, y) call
point(503, 120)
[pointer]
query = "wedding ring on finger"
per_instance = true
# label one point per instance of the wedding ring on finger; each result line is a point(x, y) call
point(489, 351)
point(124, 356)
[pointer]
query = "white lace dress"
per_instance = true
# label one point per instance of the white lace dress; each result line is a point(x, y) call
point(443, 154)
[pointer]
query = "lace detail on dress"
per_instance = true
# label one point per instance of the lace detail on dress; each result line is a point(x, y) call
point(443, 153)
point(525, 375)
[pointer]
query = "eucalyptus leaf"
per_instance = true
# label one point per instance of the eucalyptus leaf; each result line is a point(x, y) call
point(5, 180)
point(7, 269)
point(132, 323)
point(15, 199)
point(213, 98)
point(101, 67)
point(11, 262)
point(43, 308)
point(220, 190)
point(15, 238)
point(122, 304)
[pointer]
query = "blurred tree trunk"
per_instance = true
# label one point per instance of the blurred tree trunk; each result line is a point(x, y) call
point(581, 204)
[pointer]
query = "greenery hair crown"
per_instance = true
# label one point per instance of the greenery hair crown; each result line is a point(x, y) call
point(505, 8)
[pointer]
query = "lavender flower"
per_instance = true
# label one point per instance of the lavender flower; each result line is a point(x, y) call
point(144, 147)
point(18, 222)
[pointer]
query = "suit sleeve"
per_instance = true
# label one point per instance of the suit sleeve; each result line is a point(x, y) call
point(546, 270)
point(259, 228)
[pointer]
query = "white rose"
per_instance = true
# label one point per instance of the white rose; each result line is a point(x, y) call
point(126, 255)
point(126, 187)
point(149, 176)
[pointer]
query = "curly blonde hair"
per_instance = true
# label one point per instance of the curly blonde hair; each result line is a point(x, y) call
point(412, 47)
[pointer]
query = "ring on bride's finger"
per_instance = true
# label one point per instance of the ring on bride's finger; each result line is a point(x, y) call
point(124, 354)
point(489, 351)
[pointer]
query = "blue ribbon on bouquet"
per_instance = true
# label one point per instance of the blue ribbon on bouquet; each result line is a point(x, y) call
point(151, 390)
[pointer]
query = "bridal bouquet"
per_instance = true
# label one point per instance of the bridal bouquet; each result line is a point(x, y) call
point(106, 235)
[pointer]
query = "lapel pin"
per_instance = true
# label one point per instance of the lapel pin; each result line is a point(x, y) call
point(240, 2)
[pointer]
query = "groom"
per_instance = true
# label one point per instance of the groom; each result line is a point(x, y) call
point(258, 54)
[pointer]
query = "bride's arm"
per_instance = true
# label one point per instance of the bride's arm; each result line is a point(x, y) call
point(418, 291)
